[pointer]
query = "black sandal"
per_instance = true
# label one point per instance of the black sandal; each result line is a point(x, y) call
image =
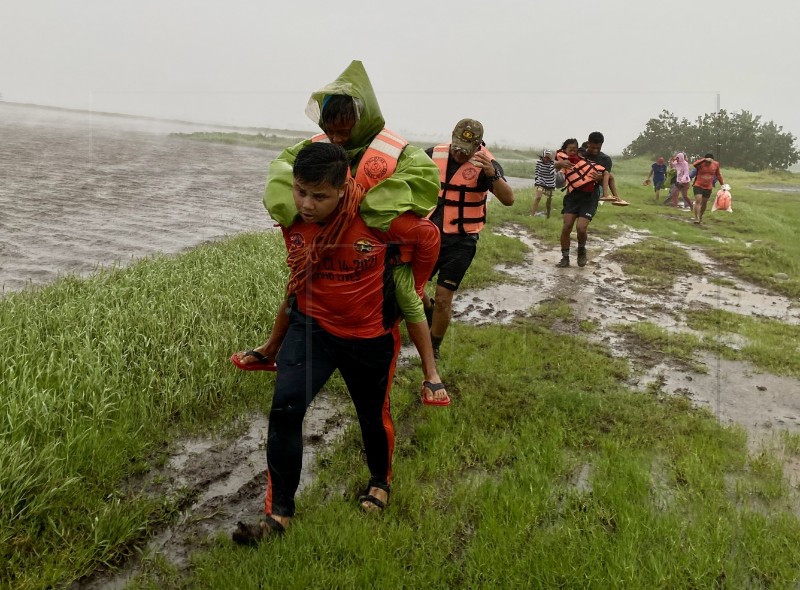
point(370, 503)
point(252, 534)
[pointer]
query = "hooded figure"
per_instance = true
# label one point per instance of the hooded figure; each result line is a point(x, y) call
point(414, 185)
point(682, 168)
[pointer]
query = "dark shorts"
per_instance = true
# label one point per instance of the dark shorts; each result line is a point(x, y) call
point(455, 256)
point(704, 192)
point(581, 204)
point(657, 186)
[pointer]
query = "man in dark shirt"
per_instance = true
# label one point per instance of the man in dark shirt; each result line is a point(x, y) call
point(580, 206)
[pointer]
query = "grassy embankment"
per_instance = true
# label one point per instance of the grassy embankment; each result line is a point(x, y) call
point(539, 475)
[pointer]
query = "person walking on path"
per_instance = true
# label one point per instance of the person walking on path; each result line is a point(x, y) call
point(682, 180)
point(397, 178)
point(658, 172)
point(467, 173)
point(544, 181)
point(708, 173)
point(586, 175)
point(336, 314)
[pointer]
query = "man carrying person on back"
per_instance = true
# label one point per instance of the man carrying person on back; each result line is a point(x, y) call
point(708, 173)
point(467, 173)
point(397, 178)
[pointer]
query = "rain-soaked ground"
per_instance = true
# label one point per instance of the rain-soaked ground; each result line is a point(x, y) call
point(734, 391)
point(228, 476)
point(78, 191)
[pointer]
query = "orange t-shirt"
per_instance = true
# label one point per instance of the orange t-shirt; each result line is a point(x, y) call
point(347, 290)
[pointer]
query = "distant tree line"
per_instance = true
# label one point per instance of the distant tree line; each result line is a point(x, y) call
point(738, 140)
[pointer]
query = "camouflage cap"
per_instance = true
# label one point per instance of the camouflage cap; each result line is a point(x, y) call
point(468, 135)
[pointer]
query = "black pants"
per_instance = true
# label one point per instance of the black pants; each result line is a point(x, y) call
point(308, 357)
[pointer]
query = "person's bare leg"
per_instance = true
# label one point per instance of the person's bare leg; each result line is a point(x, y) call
point(564, 239)
point(582, 231)
point(421, 337)
point(703, 203)
point(441, 315)
point(536, 200)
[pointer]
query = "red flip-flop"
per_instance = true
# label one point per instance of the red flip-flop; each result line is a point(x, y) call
point(434, 387)
point(261, 365)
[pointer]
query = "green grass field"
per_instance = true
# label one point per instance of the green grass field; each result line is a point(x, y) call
point(537, 476)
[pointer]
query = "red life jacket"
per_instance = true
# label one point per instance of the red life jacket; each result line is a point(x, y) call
point(379, 160)
point(464, 203)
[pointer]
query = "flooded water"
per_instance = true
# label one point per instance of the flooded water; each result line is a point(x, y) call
point(81, 190)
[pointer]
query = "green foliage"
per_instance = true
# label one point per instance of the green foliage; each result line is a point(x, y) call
point(544, 473)
point(95, 374)
point(738, 140)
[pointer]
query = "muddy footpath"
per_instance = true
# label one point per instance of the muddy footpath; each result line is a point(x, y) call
point(78, 192)
point(228, 477)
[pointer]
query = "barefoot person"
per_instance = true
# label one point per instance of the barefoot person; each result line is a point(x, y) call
point(708, 173)
point(335, 316)
point(467, 172)
point(396, 176)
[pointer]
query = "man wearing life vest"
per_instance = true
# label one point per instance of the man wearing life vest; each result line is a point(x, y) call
point(586, 176)
point(398, 179)
point(467, 172)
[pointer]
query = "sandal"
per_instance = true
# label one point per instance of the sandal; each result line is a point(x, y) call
point(370, 503)
point(262, 362)
point(434, 387)
point(252, 534)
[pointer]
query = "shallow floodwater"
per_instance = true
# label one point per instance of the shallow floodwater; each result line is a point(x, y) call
point(81, 190)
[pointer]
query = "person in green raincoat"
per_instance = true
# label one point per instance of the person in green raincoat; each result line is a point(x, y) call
point(400, 178)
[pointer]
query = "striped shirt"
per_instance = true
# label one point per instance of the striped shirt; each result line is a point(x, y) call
point(545, 174)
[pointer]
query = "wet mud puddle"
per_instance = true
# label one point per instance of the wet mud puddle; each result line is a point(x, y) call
point(226, 481)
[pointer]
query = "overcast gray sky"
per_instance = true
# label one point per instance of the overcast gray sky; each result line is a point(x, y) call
point(533, 72)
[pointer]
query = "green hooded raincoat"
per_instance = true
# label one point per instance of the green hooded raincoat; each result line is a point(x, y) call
point(413, 187)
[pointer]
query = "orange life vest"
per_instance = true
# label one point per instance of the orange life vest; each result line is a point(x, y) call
point(580, 176)
point(379, 160)
point(464, 209)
